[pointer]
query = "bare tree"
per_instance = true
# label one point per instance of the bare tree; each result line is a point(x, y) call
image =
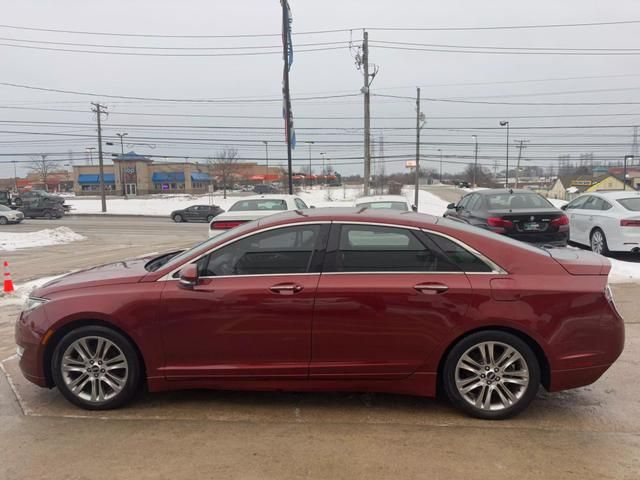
point(224, 165)
point(42, 167)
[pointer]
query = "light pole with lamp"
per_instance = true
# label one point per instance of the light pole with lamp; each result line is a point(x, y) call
point(627, 158)
point(324, 175)
point(475, 161)
point(440, 150)
point(266, 157)
point(309, 142)
point(502, 124)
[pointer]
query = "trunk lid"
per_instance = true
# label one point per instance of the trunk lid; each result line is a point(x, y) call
point(580, 262)
point(529, 220)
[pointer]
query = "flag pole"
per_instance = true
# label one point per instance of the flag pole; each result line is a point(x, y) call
point(287, 52)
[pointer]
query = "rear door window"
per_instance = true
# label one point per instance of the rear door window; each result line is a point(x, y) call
point(632, 204)
point(578, 203)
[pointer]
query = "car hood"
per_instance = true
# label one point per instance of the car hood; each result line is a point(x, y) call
point(129, 271)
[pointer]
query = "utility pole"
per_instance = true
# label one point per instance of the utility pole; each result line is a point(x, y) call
point(122, 135)
point(475, 163)
point(15, 176)
point(362, 61)
point(99, 110)
point(266, 157)
point(634, 147)
point(440, 150)
point(521, 146)
point(286, 31)
point(309, 143)
point(324, 175)
point(506, 182)
point(418, 128)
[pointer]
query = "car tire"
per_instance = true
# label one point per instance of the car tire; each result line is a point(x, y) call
point(491, 384)
point(47, 215)
point(77, 368)
point(178, 218)
point(3, 220)
point(598, 242)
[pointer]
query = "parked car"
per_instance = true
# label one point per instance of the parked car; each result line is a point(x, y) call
point(7, 199)
point(42, 208)
point(464, 185)
point(519, 214)
point(263, 189)
point(8, 215)
point(252, 208)
point(386, 202)
point(606, 221)
point(349, 300)
point(40, 196)
point(196, 213)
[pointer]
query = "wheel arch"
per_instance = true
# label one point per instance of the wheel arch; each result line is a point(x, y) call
point(545, 369)
point(57, 336)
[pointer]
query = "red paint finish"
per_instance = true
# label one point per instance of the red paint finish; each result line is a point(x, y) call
point(384, 332)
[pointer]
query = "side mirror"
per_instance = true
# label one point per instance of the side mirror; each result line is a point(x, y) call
point(189, 276)
point(414, 208)
point(312, 206)
point(451, 206)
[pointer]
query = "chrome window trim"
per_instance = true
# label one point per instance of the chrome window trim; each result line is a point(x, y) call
point(169, 276)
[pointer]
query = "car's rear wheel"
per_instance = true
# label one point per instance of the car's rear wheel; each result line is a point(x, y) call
point(598, 242)
point(177, 218)
point(491, 375)
point(96, 368)
point(47, 215)
point(3, 220)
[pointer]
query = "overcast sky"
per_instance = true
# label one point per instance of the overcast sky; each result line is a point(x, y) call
point(442, 75)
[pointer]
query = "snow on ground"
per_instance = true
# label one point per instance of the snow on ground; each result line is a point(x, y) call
point(624, 272)
point(22, 291)
point(49, 236)
point(557, 203)
point(427, 202)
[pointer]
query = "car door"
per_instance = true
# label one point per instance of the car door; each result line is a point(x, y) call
point(577, 220)
point(384, 302)
point(250, 314)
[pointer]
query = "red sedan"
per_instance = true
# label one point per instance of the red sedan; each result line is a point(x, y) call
point(330, 299)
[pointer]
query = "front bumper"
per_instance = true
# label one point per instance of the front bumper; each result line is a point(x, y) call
point(29, 340)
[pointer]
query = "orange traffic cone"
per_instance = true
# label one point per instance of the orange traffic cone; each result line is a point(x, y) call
point(8, 283)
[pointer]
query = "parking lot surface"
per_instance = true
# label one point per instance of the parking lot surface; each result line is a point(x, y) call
point(586, 433)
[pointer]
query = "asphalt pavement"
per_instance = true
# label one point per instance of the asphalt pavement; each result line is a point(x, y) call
point(586, 433)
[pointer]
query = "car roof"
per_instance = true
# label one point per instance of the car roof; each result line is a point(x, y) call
point(382, 198)
point(267, 196)
point(615, 194)
point(349, 214)
point(493, 191)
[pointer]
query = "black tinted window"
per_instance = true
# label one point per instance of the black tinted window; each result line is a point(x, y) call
point(458, 256)
point(401, 206)
point(475, 202)
point(365, 248)
point(300, 204)
point(281, 251)
point(632, 204)
point(578, 203)
point(500, 201)
point(262, 204)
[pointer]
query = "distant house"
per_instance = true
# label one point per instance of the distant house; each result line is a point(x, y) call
point(587, 183)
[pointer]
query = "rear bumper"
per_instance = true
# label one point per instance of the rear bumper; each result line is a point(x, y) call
point(557, 239)
point(579, 377)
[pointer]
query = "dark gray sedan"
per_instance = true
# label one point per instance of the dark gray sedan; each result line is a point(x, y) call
point(521, 214)
point(196, 213)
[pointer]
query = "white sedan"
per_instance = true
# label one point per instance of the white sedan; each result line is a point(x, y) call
point(606, 221)
point(253, 208)
point(385, 202)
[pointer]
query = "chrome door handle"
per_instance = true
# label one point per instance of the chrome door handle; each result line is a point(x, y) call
point(431, 288)
point(286, 288)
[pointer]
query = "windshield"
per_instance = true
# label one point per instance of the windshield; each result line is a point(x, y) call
point(204, 246)
point(260, 204)
point(501, 201)
point(632, 204)
point(402, 206)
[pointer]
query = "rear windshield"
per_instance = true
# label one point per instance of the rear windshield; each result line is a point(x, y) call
point(261, 204)
point(402, 206)
point(632, 204)
point(500, 201)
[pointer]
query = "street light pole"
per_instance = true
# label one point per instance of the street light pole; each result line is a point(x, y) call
point(122, 135)
point(502, 124)
point(266, 156)
point(624, 172)
point(15, 176)
point(309, 143)
point(440, 150)
point(475, 162)
point(324, 176)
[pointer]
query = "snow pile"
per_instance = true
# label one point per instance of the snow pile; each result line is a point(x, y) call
point(624, 272)
point(428, 202)
point(49, 236)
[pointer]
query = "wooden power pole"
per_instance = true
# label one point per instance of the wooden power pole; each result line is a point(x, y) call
point(367, 113)
point(418, 127)
point(99, 110)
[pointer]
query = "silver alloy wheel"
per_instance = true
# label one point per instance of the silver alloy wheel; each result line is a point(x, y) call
point(597, 241)
point(492, 376)
point(94, 369)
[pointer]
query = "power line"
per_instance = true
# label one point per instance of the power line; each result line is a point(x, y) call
point(451, 100)
point(492, 47)
point(502, 27)
point(501, 52)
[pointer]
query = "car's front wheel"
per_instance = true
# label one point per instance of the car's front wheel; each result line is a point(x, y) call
point(3, 220)
point(598, 242)
point(48, 215)
point(96, 368)
point(177, 218)
point(491, 375)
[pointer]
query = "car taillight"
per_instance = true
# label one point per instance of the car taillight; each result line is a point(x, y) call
point(563, 220)
point(499, 222)
point(224, 225)
point(630, 223)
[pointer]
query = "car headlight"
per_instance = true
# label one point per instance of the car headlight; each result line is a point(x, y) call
point(32, 303)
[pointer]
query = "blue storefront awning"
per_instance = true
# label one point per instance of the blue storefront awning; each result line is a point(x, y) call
point(200, 177)
point(93, 179)
point(159, 177)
